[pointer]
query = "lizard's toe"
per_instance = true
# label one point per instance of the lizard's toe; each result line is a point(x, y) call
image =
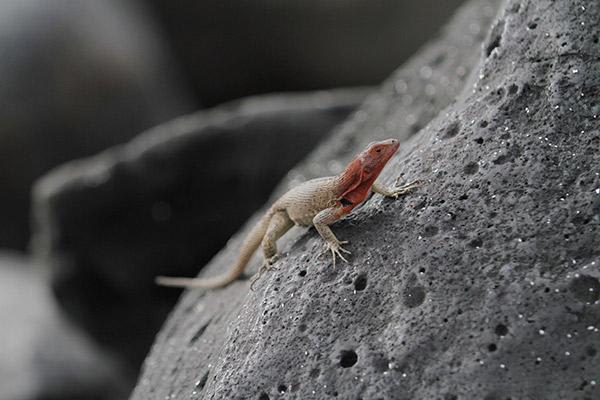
point(337, 250)
point(341, 256)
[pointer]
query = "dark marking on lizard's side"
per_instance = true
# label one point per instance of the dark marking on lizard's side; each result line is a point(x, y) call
point(345, 202)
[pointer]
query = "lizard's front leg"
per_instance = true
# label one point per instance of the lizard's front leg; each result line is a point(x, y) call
point(321, 221)
point(280, 223)
point(395, 192)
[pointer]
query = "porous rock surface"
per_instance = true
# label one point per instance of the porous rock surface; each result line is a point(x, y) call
point(165, 203)
point(482, 285)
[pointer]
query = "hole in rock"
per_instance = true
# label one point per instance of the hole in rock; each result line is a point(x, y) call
point(452, 130)
point(501, 160)
point(430, 231)
point(414, 296)
point(282, 388)
point(348, 358)
point(476, 243)
point(471, 168)
point(302, 273)
point(501, 330)
point(585, 288)
point(492, 347)
point(360, 283)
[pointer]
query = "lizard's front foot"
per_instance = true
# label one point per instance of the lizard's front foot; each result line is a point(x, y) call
point(407, 188)
point(266, 265)
point(336, 249)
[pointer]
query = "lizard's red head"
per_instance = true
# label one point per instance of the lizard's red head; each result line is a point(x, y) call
point(376, 155)
point(356, 180)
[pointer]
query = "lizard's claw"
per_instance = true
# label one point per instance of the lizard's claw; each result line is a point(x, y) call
point(266, 265)
point(337, 249)
point(397, 181)
point(417, 183)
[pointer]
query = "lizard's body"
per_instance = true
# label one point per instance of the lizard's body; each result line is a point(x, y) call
point(318, 202)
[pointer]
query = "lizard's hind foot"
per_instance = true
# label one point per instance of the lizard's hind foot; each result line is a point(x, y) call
point(266, 265)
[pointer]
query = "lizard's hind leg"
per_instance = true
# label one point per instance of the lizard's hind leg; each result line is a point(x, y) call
point(279, 225)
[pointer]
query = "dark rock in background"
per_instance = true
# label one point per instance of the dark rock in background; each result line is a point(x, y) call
point(76, 78)
point(230, 49)
point(484, 284)
point(42, 356)
point(164, 204)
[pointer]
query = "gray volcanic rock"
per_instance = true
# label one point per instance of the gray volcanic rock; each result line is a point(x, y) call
point(77, 77)
point(235, 49)
point(165, 203)
point(482, 285)
point(42, 356)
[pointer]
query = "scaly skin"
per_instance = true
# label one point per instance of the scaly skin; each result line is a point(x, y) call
point(319, 202)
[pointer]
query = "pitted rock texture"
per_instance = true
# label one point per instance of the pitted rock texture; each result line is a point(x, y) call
point(165, 203)
point(482, 285)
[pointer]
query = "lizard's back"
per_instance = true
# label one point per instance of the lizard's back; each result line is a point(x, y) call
point(306, 200)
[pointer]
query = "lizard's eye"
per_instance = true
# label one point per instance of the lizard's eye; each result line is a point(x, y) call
point(378, 150)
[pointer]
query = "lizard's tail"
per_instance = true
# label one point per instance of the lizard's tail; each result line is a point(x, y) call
point(250, 244)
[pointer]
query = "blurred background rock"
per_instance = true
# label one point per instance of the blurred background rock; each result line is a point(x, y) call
point(78, 77)
point(230, 49)
point(42, 355)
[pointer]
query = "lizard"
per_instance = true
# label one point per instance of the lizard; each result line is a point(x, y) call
point(318, 202)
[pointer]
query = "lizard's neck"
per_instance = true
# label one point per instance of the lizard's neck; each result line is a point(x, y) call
point(349, 177)
point(354, 182)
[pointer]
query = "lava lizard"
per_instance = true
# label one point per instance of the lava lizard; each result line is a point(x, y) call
point(319, 202)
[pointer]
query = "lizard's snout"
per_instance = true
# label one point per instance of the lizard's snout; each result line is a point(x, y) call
point(393, 143)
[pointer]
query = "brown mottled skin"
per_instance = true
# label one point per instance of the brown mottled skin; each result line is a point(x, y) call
point(319, 202)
